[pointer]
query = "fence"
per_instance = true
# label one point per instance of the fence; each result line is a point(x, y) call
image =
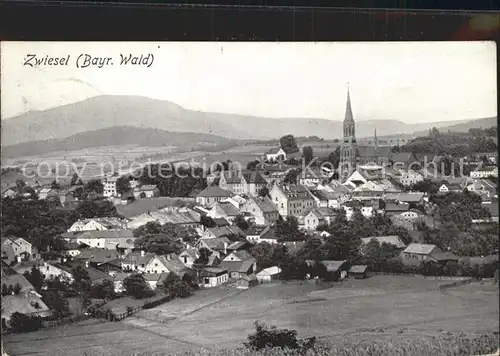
point(63, 321)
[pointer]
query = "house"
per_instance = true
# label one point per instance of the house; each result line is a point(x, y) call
point(415, 253)
point(483, 185)
point(102, 259)
point(239, 263)
point(188, 257)
point(146, 191)
point(276, 154)
point(395, 208)
point(95, 276)
point(44, 193)
point(336, 270)
point(213, 277)
point(98, 224)
point(393, 240)
point(232, 181)
point(19, 246)
point(239, 246)
point(211, 195)
point(9, 193)
point(155, 280)
point(213, 178)
point(109, 186)
point(219, 222)
point(224, 210)
point(408, 197)
point(106, 239)
point(262, 209)
point(54, 270)
point(269, 274)
point(237, 201)
point(253, 182)
point(152, 263)
point(443, 257)
point(220, 231)
point(367, 207)
point(485, 172)
point(291, 200)
point(263, 233)
point(28, 303)
point(359, 271)
point(217, 245)
point(246, 282)
point(447, 187)
point(410, 178)
point(313, 177)
point(319, 216)
point(118, 279)
point(403, 160)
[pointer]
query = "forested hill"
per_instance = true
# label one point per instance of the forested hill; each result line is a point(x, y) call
point(453, 143)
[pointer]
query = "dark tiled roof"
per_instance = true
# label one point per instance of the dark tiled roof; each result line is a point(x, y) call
point(229, 209)
point(254, 177)
point(265, 204)
point(214, 191)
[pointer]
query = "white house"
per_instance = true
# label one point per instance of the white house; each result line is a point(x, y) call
point(410, 178)
point(275, 154)
point(415, 253)
point(224, 210)
point(109, 186)
point(51, 271)
point(258, 234)
point(318, 216)
point(212, 194)
point(188, 257)
point(146, 191)
point(213, 277)
point(485, 172)
point(98, 224)
point(19, 245)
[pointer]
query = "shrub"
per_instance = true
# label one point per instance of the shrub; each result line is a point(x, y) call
point(265, 337)
point(23, 323)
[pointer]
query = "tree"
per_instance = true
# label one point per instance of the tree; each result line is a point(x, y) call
point(272, 337)
point(289, 144)
point(55, 185)
point(207, 221)
point(106, 290)
point(204, 256)
point(54, 300)
point(264, 192)
point(288, 230)
point(291, 176)
point(5, 289)
point(241, 223)
point(307, 153)
point(74, 179)
point(162, 239)
point(176, 287)
point(136, 286)
point(122, 184)
point(17, 288)
point(96, 208)
point(35, 277)
point(24, 323)
point(95, 186)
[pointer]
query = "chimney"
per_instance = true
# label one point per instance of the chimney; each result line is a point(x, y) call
point(143, 253)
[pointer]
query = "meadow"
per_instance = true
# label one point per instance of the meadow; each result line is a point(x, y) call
point(379, 310)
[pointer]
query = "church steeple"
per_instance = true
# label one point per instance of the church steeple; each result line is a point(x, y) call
point(348, 111)
point(375, 138)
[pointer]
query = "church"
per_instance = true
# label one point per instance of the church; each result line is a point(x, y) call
point(351, 154)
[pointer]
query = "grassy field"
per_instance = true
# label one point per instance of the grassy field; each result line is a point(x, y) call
point(141, 206)
point(378, 309)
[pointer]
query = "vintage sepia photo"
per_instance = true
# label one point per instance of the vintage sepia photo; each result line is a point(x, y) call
point(231, 198)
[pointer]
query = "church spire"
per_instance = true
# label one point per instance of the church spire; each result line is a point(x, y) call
point(375, 137)
point(348, 110)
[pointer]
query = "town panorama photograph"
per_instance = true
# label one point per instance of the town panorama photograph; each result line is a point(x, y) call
point(249, 199)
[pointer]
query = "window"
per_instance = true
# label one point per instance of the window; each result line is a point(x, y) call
point(207, 280)
point(156, 264)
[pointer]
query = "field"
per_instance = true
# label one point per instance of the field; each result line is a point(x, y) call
point(376, 309)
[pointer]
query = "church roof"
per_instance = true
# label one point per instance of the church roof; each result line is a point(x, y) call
point(371, 151)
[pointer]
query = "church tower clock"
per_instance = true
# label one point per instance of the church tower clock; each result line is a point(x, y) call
point(348, 148)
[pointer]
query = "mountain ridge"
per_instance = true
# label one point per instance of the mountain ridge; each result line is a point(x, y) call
point(105, 111)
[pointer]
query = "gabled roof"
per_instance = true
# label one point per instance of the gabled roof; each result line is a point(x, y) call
point(232, 177)
point(486, 169)
point(237, 245)
point(217, 242)
point(146, 187)
point(228, 208)
point(445, 256)
point(220, 231)
point(265, 204)
point(332, 266)
point(14, 279)
point(392, 240)
point(254, 177)
point(105, 234)
point(295, 192)
point(214, 191)
point(97, 255)
point(221, 222)
point(395, 207)
point(270, 271)
point(420, 249)
point(23, 303)
point(410, 197)
point(237, 266)
point(358, 269)
point(135, 257)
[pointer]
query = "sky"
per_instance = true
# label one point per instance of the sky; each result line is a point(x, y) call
point(414, 82)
